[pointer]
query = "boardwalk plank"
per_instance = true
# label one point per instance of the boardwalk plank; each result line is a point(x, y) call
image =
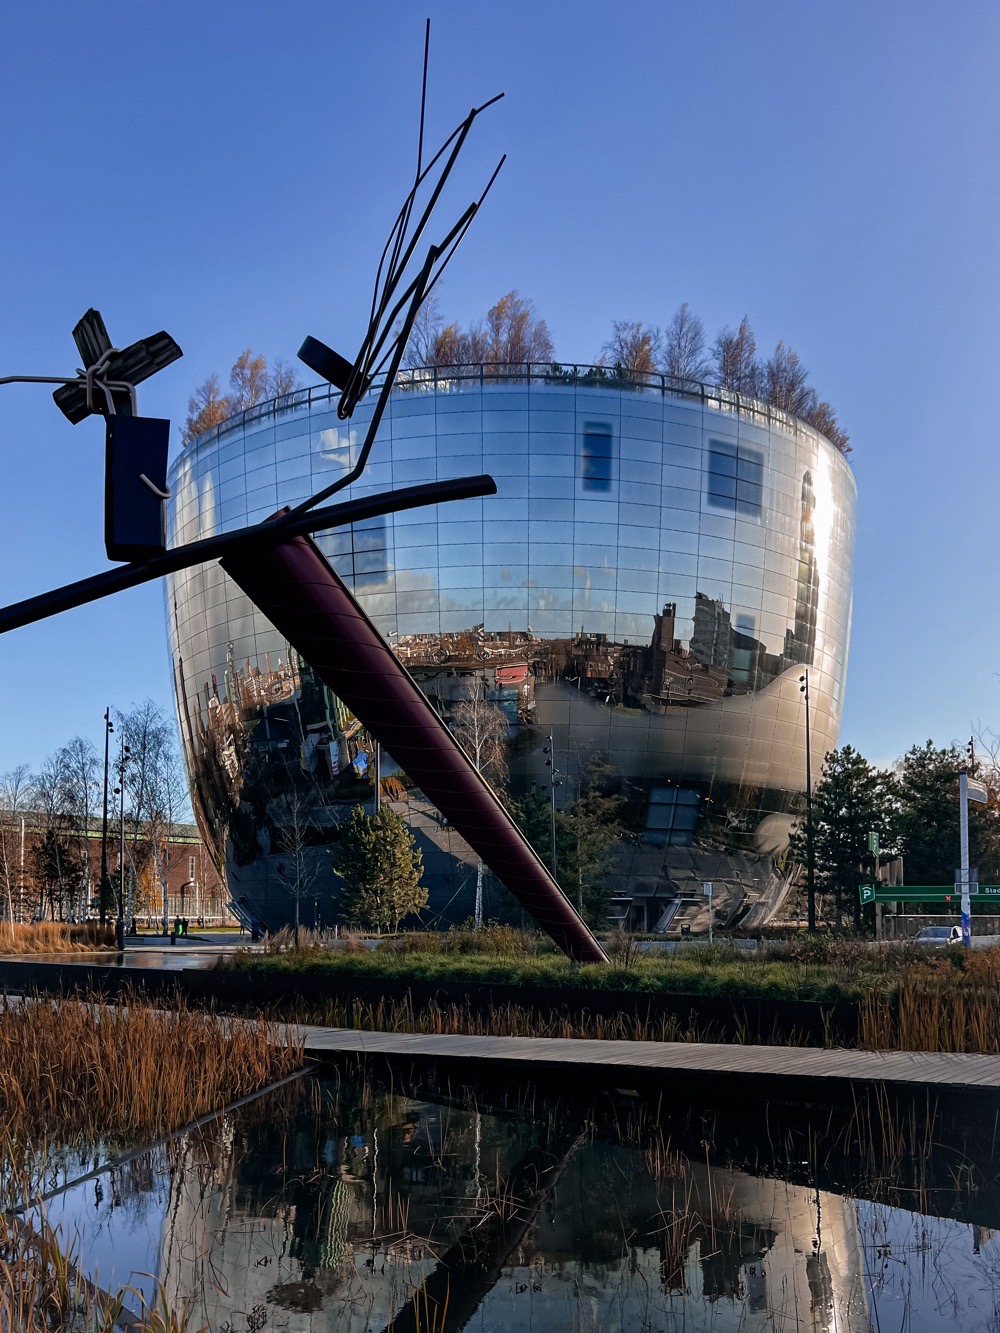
point(803, 1066)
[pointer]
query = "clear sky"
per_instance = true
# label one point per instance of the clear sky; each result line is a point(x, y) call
point(228, 171)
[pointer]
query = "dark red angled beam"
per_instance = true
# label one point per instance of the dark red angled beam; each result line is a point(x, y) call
point(303, 597)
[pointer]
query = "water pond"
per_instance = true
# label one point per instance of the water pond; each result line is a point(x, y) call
point(339, 1204)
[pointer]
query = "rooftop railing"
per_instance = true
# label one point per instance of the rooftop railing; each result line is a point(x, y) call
point(458, 379)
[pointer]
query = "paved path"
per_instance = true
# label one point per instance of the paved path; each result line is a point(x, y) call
point(802, 1069)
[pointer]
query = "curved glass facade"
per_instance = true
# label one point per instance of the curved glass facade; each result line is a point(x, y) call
point(659, 566)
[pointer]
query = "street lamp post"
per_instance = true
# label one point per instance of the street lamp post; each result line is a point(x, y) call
point(123, 758)
point(810, 848)
point(109, 727)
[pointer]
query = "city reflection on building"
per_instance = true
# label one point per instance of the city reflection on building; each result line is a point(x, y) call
point(660, 618)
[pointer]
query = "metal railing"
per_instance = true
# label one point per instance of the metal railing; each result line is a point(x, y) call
point(459, 379)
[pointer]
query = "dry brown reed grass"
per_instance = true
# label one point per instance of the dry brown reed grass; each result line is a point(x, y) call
point(692, 1207)
point(76, 1072)
point(55, 937)
point(76, 1069)
point(937, 1006)
point(506, 1020)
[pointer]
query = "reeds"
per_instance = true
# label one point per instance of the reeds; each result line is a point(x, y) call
point(937, 1007)
point(503, 1020)
point(73, 1070)
point(55, 937)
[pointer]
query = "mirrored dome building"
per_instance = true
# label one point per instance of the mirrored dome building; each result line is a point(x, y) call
point(663, 563)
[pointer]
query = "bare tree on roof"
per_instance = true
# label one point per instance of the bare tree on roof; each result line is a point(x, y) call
point(684, 346)
point(422, 349)
point(208, 406)
point(824, 419)
point(633, 347)
point(784, 382)
point(248, 381)
point(734, 360)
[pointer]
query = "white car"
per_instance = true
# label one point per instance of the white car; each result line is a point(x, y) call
point(939, 935)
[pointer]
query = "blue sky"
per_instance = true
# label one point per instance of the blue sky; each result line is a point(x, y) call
point(228, 171)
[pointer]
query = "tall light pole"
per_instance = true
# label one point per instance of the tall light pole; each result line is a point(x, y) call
point(109, 727)
point(810, 849)
point(123, 758)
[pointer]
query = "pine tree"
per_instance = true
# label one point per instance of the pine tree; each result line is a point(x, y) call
point(851, 800)
point(381, 866)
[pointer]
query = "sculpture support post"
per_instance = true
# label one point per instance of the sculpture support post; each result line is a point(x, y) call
point(302, 596)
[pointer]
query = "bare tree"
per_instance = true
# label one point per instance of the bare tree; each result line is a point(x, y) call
point(513, 334)
point(685, 346)
point(784, 382)
point(452, 347)
point(80, 779)
point(52, 860)
point(300, 870)
point(207, 407)
point(422, 349)
point(282, 378)
point(482, 730)
point(633, 347)
point(249, 382)
point(824, 419)
point(15, 798)
point(734, 360)
point(156, 794)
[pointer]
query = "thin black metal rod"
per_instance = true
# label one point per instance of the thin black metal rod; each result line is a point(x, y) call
point(47, 604)
point(452, 239)
point(382, 292)
point(408, 207)
point(380, 405)
point(450, 243)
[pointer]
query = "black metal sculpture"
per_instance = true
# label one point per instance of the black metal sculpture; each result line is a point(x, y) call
point(318, 615)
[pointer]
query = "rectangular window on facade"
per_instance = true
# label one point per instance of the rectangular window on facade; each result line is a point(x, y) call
point(735, 478)
point(596, 457)
point(192, 867)
point(370, 547)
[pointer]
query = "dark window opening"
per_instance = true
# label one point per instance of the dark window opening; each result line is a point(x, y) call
point(735, 478)
point(596, 458)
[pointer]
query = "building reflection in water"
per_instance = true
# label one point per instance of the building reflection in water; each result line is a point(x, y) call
point(660, 618)
point(335, 1219)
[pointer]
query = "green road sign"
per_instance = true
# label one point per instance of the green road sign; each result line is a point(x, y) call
point(873, 843)
point(922, 893)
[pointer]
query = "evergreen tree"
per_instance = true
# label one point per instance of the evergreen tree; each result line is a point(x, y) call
point(929, 820)
point(851, 800)
point(381, 866)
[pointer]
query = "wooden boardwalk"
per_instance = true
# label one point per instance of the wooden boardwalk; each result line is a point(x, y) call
point(804, 1071)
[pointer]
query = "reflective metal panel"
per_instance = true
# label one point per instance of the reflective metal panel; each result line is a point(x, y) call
point(618, 594)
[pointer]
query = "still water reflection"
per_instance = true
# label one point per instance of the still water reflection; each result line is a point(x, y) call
point(334, 1206)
